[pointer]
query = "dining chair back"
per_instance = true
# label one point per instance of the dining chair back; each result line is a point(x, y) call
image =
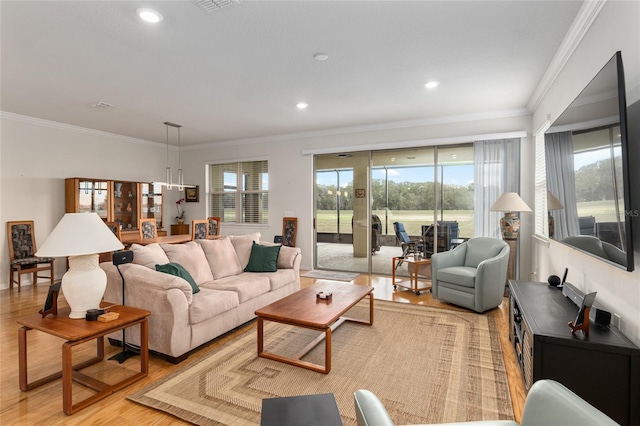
point(22, 258)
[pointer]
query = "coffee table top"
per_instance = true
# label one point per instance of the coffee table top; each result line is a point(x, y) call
point(76, 329)
point(303, 308)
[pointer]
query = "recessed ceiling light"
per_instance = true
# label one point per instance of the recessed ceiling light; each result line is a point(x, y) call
point(431, 84)
point(321, 56)
point(149, 15)
point(302, 105)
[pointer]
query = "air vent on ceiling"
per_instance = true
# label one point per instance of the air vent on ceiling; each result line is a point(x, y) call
point(101, 104)
point(212, 5)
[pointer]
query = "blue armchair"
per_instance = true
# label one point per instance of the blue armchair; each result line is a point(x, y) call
point(472, 275)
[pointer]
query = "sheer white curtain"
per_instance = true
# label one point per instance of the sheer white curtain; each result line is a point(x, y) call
point(561, 182)
point(497, 170)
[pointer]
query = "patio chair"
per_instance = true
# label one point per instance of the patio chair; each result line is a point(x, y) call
point(408, 245)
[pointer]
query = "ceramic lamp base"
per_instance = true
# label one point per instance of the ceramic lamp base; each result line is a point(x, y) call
point(83, 285)
point(510, 226)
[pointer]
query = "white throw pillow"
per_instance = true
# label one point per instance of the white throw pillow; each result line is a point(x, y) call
point(243, 244)
point(221, 256)
point(149, 255)
point(192, 258)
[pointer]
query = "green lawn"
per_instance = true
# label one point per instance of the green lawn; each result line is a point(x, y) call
point(412, 220)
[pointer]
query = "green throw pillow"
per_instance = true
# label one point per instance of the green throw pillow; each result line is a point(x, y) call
point(179, 271)
point(263, 258)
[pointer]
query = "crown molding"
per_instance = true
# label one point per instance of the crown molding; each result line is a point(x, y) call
point(366, 128)
point(4, 115)
point(586, 16)
point(452, 140)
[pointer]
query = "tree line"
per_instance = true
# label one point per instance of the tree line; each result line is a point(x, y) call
point(401, 196)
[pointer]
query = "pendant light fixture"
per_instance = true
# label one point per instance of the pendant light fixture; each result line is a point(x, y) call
point(169, 177)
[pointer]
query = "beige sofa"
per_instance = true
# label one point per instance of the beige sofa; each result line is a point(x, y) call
point(182, 320)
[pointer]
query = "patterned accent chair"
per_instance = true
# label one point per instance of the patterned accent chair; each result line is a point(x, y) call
point(22, 249)
point(199, 228)
point(115, 228)
point(147, 228)
point(214, 227)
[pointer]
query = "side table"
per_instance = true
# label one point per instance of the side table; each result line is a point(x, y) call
point(417, 267)
point(180, 229)
point(75, 332)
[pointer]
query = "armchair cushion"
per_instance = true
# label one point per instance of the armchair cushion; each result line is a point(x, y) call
point(460, 275)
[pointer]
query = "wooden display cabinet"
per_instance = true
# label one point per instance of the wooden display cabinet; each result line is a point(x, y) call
point(116, 201)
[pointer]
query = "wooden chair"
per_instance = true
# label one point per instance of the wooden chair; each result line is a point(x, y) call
point(199, 229)
point(22, 249)
point(115, 228)
point(147, 228)
point(214, 227)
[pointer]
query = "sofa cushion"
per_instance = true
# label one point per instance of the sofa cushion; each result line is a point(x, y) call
point(209, 303)
point(179, 271)
point(221, 256)
point(248, 285)
point(287, 255)
point(263, 258)
point(243, 244)
point(149, 255)
point(460, 275)
point(280, 278)
point(191, 256)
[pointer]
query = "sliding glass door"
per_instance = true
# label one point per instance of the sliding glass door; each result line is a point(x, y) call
point(360, 195)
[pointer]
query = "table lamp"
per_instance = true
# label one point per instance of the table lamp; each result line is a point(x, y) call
point(81, 236)
point(510, 203)
point(552, 204)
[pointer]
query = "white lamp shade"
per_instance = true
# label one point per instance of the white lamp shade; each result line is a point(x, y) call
point(77, 234)
point(553, 203)
point(510, 202)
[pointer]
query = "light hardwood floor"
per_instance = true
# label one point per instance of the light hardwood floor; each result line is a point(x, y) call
point(43, 405)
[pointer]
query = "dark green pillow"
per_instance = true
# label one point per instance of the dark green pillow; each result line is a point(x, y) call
point(263, 258)
point(179, 271)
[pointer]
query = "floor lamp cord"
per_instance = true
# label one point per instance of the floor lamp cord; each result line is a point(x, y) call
point(125, 354)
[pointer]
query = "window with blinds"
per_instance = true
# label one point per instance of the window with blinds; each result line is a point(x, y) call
point(239, 192)
point(541, 218)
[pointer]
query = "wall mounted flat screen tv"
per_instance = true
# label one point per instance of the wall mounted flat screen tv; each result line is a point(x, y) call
point(587, 164)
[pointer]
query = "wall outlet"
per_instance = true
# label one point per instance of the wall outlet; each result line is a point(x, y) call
point(616, 321)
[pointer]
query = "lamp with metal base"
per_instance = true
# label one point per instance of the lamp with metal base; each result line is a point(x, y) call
point(81, 237)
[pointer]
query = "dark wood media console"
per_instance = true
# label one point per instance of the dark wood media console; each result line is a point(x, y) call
point(603, 367)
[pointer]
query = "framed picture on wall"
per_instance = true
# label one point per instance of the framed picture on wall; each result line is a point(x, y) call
point(192, 195)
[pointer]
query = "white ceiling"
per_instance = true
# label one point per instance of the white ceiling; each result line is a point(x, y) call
point(238, 72)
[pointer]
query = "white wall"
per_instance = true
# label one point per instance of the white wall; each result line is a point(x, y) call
point(291, 172)
point(36, 156)
point(616, 28)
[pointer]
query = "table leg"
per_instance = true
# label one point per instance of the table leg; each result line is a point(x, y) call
point(260, 335)
point(22, 358)
point(327, 351)
point(67, 377)
point(144, 346)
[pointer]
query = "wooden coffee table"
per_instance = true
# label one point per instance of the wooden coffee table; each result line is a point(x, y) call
point(75, 332)
point(304, 309)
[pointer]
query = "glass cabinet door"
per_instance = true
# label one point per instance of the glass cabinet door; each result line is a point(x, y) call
point(151, 202)
point(125, 204)
point(93, 197)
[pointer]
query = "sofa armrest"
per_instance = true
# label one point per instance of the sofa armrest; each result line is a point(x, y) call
point(550, 403)
point(167, 298)
point(369, 409)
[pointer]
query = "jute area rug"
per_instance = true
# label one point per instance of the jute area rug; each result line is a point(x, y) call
point(331, 275)
point(427, 365)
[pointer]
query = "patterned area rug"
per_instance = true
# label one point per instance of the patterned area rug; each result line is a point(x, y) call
point(427, 365)
point(331, 275)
